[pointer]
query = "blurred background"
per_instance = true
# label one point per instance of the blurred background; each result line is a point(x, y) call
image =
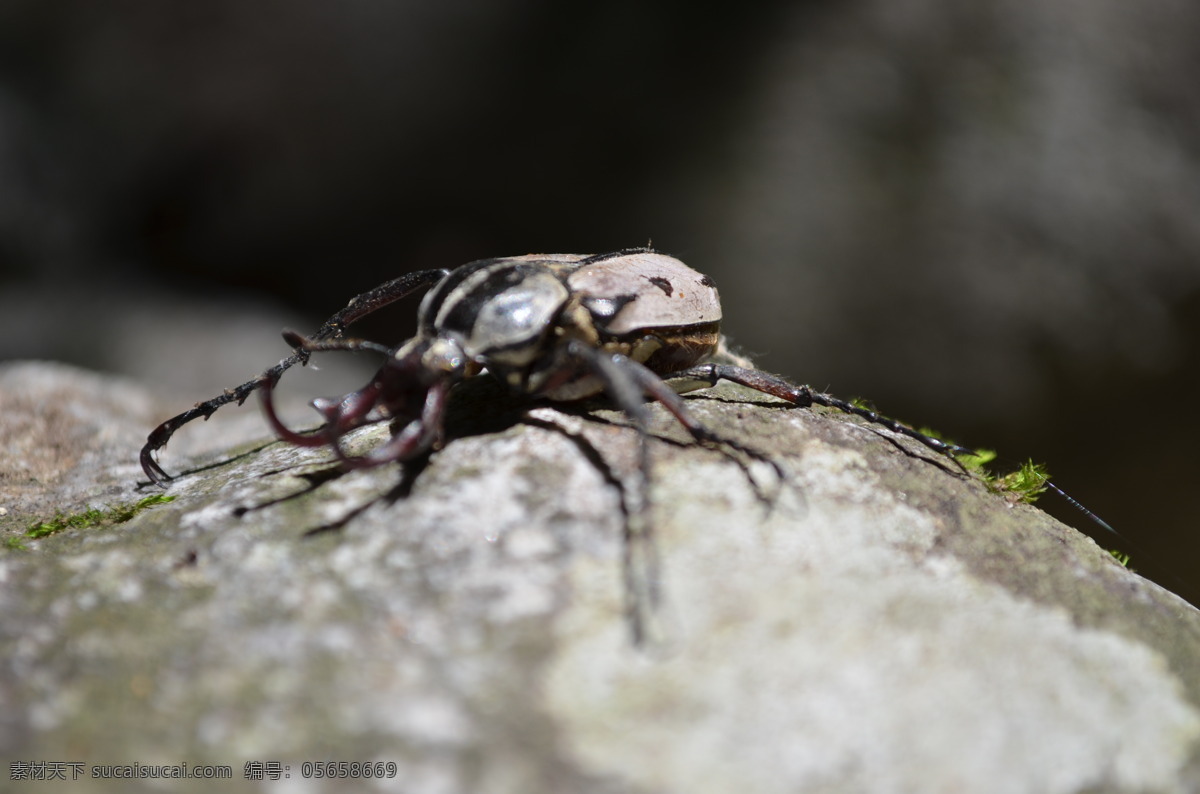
point(983, 218)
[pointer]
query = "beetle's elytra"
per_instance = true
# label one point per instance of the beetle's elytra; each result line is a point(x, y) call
point(634, 324)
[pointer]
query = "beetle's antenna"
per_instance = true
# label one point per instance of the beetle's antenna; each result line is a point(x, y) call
point(309, 345)
point(1078, 506)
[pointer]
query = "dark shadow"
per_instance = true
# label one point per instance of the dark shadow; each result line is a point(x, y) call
point(315, 480)
point(210, 466)
point(479, 406)
point(718, 443)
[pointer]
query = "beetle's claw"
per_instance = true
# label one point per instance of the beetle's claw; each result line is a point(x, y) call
point(152, 469)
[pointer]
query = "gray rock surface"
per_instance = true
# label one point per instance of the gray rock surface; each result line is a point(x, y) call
point(872, 620)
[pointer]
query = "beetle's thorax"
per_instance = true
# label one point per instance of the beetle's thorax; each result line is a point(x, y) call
point(517, 316)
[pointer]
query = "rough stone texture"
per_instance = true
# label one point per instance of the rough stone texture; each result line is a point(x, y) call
point(870, 621)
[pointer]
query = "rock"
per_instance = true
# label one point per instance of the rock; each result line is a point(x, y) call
point(863, 618)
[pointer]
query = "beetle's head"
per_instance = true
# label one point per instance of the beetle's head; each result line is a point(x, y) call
point(403, 385)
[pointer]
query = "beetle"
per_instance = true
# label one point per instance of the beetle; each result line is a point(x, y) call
point(632, 324)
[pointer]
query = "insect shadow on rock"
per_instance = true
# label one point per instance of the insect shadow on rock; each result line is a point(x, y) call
point(630, 324)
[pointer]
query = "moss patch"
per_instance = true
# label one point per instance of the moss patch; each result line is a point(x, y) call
point(93, 518)
point(1120, 557)
point(1026, 484)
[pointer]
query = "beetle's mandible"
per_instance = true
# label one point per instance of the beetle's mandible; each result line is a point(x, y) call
point(632, 324)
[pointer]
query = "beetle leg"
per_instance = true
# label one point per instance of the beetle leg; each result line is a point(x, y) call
point(416, 437)
point(709, 374)
point(623, 387)
point(356, 309)
point(341, 416)
point(652, 385)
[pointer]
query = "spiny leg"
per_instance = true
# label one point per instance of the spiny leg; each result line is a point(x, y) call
point(709, 374)
point(628, 383)
point(356, 309)
point(668, 394)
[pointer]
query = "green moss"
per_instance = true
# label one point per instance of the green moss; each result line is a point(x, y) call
point(93, 517)
point(1120, 557)
point(1025, 484)
point(15, 543)
point(866, 405)
point(978, 462)
point(41, 529)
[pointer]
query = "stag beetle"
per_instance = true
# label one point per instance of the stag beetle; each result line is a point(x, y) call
point(633, 324)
